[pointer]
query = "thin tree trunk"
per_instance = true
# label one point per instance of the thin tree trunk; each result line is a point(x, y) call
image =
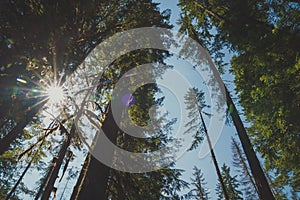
point(210, 12)
point(58, 162)
point(245, 167)
point(24, 172)
point(201, 191)
point(194, 36)
point(19, 180)
point(262, 184)
point(63, 192)
point(214, 159)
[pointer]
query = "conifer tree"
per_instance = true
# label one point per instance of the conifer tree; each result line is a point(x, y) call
point(262, 36)
point(231, 183)
point(195, 104)
point(200, 192)
point(245, 176)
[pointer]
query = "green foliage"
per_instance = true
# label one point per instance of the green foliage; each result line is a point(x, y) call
point(231, 184)
point(161, 184)
point(38, 37)
point(194, 100)
point(271, 104)
point(200, 192)
point(165, 183)
point(264, 36)
point(245, 177)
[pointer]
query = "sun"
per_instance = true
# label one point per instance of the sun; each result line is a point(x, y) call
point(55, 94)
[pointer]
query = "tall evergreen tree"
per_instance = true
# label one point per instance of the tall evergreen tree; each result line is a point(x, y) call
point(245, 176)
point(57, 162)
point(263, 36)
point(231, 183)
point(96, 179)
point(200, 192)
point(195, 104)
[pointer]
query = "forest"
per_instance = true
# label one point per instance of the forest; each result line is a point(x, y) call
point(85, 112)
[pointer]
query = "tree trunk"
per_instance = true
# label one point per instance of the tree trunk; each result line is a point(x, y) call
point(245, 167)
point(81, 177)
point(210, 12)
point(14, 133)
point(11, 136)
point(24, 172)
point(214, 159)
point(95, 181)
point(58, 162)
point(19, 180)
point(262, 184)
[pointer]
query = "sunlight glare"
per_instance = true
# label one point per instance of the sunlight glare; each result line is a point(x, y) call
point(55, 94)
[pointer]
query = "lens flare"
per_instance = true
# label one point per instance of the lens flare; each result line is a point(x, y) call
point(55, 94)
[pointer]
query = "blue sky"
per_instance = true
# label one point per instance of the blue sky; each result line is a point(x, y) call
point(189, 159)
point(222, 147)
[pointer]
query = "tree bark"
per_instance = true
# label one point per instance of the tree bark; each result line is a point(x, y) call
point(81, 177)
point(264, 190)
point(97, 175)
point(226, 197)
point(262, 184)
point(58, 162)
point(210, 12)
point(245, 167)
point(18, 129)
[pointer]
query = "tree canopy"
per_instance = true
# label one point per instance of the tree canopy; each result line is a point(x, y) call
point(47, 46)
point(262, 36)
